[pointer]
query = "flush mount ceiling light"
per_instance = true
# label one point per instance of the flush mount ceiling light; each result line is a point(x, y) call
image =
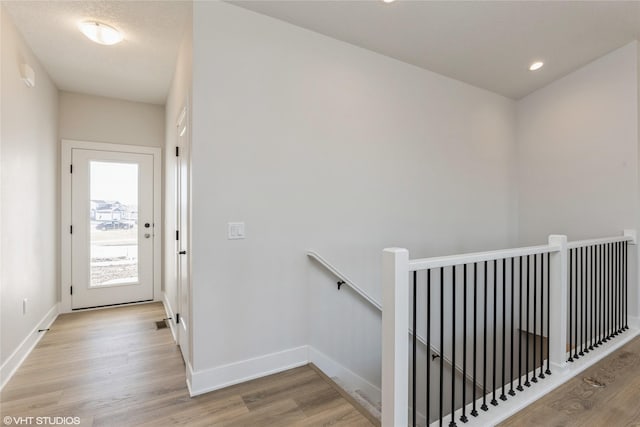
point(536, 66)
point(100, 32)
point(388, 1)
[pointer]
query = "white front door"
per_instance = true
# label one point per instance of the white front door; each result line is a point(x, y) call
point(112, 229)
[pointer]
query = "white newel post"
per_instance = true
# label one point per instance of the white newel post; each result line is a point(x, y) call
point(395, 337)
point(558, 303)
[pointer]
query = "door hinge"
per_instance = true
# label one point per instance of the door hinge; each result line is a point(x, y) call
point(177, 235)
point(71, 290)
point(177, 151)
point(71, 229)
point(177, 317)
point(70, 168)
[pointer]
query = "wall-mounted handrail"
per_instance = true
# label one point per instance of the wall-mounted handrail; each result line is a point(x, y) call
point(343, 278)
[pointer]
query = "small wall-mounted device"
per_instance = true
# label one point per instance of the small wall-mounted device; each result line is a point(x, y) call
point(27, 75)
point(236, 230)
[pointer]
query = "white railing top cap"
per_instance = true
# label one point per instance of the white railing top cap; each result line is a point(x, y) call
point(447, 261)
point(601, 241)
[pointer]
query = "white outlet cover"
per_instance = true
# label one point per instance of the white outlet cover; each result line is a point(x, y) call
point(235, 230)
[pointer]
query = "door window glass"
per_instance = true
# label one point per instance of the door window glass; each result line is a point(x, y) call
point(113, 222)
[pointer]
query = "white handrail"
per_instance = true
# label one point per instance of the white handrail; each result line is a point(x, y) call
point(344, 278)
point(601, 241)
point(446, 261)
point(314, 255)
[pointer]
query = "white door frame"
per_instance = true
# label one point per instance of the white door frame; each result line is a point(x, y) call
point(65, 212)
point(185, 234)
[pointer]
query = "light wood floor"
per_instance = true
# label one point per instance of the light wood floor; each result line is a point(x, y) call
point(578, 403)
point(113, 367)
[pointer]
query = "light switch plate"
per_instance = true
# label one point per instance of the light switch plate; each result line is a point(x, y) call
point(236, 230)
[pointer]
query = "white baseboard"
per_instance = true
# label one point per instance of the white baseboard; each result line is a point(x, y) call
point(351, 380)
point(169, 311)
point(189, 376)
point(234, 373)
point(11, 365)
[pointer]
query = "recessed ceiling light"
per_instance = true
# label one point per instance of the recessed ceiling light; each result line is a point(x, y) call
point(100, 32)
point(536, 66)
point(388, 1)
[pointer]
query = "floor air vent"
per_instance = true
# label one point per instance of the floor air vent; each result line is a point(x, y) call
point(161, 324)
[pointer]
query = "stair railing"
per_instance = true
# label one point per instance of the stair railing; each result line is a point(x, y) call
point(343, 279)
point(502, 314)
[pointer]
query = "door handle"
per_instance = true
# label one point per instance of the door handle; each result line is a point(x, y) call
point(182, 253)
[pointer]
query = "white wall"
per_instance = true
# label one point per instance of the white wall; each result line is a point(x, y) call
point(317, 144)
point(28, 198)
point(578, 152)
point(179, 97)
point(99, 119)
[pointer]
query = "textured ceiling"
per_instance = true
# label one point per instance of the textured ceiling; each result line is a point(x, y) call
point(489, 44)
point(138, 69)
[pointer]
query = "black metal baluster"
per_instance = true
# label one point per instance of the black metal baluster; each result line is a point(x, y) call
point(596, 310)
point(602, 294)
point(511, 392)
point(494, 402)
point(474, 411)
point(535, 335)
point(585, 295)
point(619, 321)
point(621, 298)
point(526, 369)
point(581, 286)
point(464, 418)
point(541, 375)
point(620, 288)
point(615, 290)
point(593, 304)
point(575, 302)
point(605, 282)
point(452, 423)
point(519, 388)
point(586, 300)
point(618, 276)
point(570, 304)
point(484, 406)
point(610, 290)
point(548, 371)
point(620, 291)
point(442, 344)
point(414, 347)
point(504, 323)
point(428, 394)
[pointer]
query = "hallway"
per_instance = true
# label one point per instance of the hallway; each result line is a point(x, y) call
point(112, 367)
